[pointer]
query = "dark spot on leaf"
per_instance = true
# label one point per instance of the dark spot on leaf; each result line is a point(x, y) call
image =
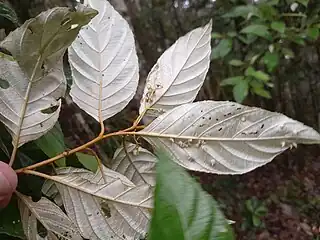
point(220, 129)
point(4, 84)
point(243, 133)
point(201, 111)
point(41, 125)
point(124, 237)
point(203, 118)
point(262, 126)
point(239, 108)
point(210, 118)
point(5, 51)
point(229, 114)
point(201, 125)
point(50, 110)
point(30, 29)
point(217, 119)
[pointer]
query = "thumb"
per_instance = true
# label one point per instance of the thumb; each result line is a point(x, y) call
point(8, 183)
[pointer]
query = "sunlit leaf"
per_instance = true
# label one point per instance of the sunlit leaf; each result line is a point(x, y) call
point(232, 80)
point(278, 26)
point(34, 74)
point(105, 206)
point(104, 64)
point(179, 73)
point(257, 29)
point(225, 137)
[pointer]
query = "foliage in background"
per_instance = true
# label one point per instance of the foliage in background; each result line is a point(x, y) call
point(127, 188)
point(260, 39)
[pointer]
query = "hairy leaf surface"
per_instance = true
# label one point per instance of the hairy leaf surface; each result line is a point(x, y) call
point(104, 64)
point(32, 79)
point(183, 211)
point(53, 219)
point(105, 206)
point(225, 137)
point(138, 166)
point(179, 73)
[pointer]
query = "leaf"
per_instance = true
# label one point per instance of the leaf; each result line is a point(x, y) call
point(242, 11)
point(179, 73)
point(139, 167)
point(52, 144)
point(53, 219)
point(278, 26)
point(236, 63)
point(232, 80)
point(183, 211)
point(313, 33)
point(10, 222)
point(222, 49)
point(34, 75)
point(225, 137)
point(104, 64)
point(88, 161)
point(104, 206)
point(288, 53)
point(258, 30)
point(240, 90)
point(250, 71)
point(7, 12)
point(216, 35)
point(262, 92)
point(271, 60)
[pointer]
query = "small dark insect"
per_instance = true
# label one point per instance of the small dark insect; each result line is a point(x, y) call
point(262, 126)
point(220, 129)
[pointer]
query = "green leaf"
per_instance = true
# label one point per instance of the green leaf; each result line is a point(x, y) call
point(10, 222)
point(222, 49)
point(240, 90)
point(231, 80)
point(241, 11)
point(288, 53)
point(313, 33)
point(256, 221)
point(183, 211)
point(278, 26)
point(262, 92)
point(236, 63)
point(8, 13)
point(216, 35)
point(88, 161)
point(303, 2)
point(250, 71)
point(52, 144)
point(271, 60)
point(258, 30)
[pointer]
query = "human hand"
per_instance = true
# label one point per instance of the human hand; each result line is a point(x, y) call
point(8, 183)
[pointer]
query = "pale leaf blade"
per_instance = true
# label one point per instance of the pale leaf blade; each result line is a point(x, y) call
point(139, 166)
point(34, 75)
point(86, 196)
point(51, 217)
point(104, 64)
point(225, 137)
point(179, 73)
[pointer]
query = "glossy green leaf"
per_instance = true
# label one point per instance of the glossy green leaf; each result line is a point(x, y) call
point(52, 144)
point(183, 211)
point(236, 63)
point(231, 80)
point(278, 26)
point(222, 49)
point(271, 60)
point(256, 221)
point(88, 161)
point(262, 92)
point(258, 30)
point(240, 90)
